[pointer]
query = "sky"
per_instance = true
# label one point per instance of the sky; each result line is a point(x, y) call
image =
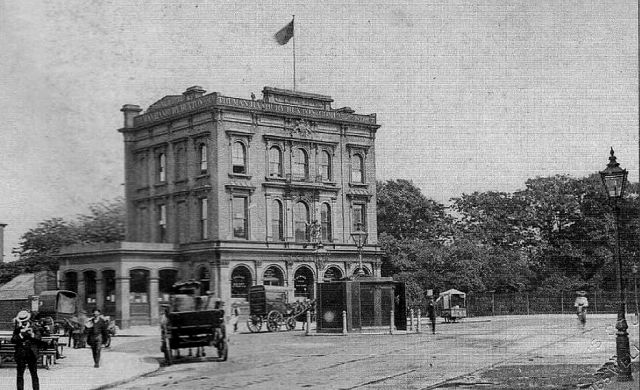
point(471, 95)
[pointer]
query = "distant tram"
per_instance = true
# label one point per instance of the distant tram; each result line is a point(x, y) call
point(452, 305)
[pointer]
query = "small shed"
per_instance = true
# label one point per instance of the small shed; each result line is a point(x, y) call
point(367, 301)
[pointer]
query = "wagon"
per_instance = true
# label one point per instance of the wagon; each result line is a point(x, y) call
point(198, 326)
point(269, 305)
point(452, 305)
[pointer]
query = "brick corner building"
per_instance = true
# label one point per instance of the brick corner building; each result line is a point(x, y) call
point(234, 192)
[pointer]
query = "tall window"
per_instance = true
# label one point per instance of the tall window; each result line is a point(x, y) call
point(181, 162)
point(357, 169)
point(240, 217)
point(359, 218)
point(277, 220)
point(275, 162)
point(71, 281)
point(203, 157)
point(204, 279)
point(301, 221)
point(325, 166)
point(109, 286)
point(139, 286)
point(239, 158)
point(204, 213)
point(300, 165)
point(162, 223)
point(325, 222)
point(181, 221)
point(167, 277)
point(143, 170)
point(90, 287)
point(241, 280)
point(162, 167)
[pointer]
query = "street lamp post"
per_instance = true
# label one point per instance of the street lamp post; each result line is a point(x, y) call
point(614, 180)
point(360, 239)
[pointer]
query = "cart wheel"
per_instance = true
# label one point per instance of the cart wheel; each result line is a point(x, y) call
point(167, 351)
point(223, 350)
point(291, 323)
point(274, 319)
point(254, 323)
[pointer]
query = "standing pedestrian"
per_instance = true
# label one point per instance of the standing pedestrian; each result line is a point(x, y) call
point(97, 335)
point(26, 338)
point(235, 316)
point(581, 305)
point(431, 313)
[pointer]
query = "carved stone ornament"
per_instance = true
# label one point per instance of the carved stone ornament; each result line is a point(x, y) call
point(302, 128)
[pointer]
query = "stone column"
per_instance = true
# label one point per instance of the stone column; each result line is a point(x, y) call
point(99, 292)
point(225, 284)
point(123, 314)
point(290, 281)
point(82, 296)
point(153, 297)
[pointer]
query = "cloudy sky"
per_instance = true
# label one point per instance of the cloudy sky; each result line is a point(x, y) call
point(471, 95)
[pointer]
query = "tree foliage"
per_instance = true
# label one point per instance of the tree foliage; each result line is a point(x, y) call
point(37, 247)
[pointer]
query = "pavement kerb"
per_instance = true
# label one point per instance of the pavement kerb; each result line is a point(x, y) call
point(126, 380)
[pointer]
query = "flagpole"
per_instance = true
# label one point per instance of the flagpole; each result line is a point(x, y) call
point(294, 51)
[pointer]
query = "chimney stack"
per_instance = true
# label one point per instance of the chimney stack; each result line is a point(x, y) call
point(130, 112)
point(193, 92)
point(2, 226)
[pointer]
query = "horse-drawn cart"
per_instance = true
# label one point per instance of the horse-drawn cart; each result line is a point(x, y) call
point(197, 325)
point(269, 305)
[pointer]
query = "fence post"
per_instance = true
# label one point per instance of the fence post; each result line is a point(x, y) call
point(595, 302)
point(344, 322)
point(562, 301)
point(411, 321)
point(391, 322)
point(418, 323)
point(308, 323)
point(527, 303)
point(493, 303)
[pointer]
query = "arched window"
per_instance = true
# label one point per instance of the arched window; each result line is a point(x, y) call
point(203, 157)
point(325, 222)
point(204, 279)
point(239, 158)
point(303, 282)
point(325, 166)
point(162, 167)
point(167, 278)
point(71, 281)
point(109, 285)
point(240, 282)
point(277, 220)
point(275, 162)
point(139, 286)
point(300, 164)
point(301, 221)
point(357, 169)
point(90, 288)
point(273, 277)
point(332, 273)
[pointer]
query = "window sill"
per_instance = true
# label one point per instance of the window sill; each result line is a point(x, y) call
point(239, 176)
point(275, 178)
point(143, 188)
point(362, 185)
point(202, 176)
point(162, 184)
point(180, 181)
point(329, 183)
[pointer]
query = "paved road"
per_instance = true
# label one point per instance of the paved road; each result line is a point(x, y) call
point(481, 352)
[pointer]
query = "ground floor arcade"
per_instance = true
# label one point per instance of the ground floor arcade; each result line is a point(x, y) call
point(130, 281)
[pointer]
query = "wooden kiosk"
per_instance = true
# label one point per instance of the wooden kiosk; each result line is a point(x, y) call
point(367, 301)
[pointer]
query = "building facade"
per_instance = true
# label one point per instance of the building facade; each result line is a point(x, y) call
point(234, 192)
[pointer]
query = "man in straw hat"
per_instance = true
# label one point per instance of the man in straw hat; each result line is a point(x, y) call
point(26, 338)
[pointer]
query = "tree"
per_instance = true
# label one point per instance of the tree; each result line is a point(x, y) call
point(104, 223)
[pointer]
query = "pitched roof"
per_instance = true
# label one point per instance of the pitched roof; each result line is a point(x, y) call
point(20, 287)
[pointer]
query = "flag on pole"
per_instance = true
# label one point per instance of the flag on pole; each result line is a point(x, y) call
point(285, 34)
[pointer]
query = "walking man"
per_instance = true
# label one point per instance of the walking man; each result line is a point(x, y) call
point(581, 305)
point(97, 335)
point(431, 313)
point(26, 338)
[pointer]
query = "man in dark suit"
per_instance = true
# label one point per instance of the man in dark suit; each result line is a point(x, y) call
point(27, 339)
point(97, 329)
